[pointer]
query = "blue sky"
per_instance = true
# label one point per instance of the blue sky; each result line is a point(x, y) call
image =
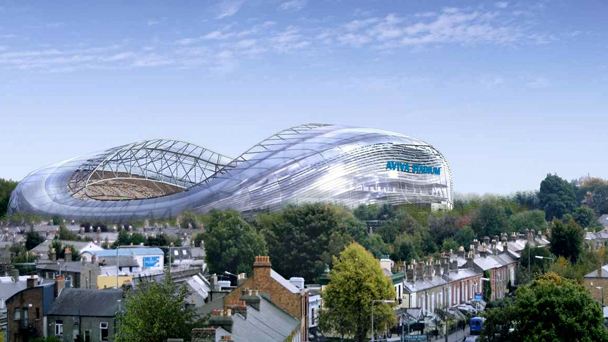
point(508, 91)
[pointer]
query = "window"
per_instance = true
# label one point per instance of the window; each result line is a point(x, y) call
point(87, 336)
point(17, 316)
point(26, 317)
point(37, 313)
point(103, 329)
point(58, 328)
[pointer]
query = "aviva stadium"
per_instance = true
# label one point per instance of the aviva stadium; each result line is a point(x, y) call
point(309, 163)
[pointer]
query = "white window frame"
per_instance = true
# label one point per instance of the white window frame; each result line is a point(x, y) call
point(59, 329)
point(101, 328)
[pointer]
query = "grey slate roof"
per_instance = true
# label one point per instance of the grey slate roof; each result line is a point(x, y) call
point(85, 302)
point(124, 261)
point(421, 285)
point(604, 220)
point(70, 266)
point(595, 275)
point(270, 323)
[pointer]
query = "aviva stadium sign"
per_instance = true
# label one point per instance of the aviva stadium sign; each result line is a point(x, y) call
point(412, 168)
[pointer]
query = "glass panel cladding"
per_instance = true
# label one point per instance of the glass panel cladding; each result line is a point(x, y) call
point(309, 163)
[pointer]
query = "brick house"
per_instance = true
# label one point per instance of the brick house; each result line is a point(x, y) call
point(27, 310)
point(595, 279)
point(282, 292)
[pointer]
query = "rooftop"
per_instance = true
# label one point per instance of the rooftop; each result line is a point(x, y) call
point(129, 252)
point(85, 302)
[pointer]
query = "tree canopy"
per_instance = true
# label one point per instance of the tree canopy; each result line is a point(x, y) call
point(156, 312)
point(566, 239)
point(355, 281)
point(6, 188)
point(557, 197)
point(551, 308)
point(231, 244)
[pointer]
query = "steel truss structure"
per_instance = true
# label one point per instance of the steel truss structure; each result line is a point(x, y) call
point(308, 163)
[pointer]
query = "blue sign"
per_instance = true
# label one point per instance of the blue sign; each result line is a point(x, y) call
point(478, 297)
point(152, 261)
point(412, 168)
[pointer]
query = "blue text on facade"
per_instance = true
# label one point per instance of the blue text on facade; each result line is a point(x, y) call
point(412, 168)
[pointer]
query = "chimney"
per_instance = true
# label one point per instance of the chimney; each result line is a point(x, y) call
point(94, 258)
point(484, 251)
point(59, 285)
point(476, 244)
point(213, 283)
point(530, 236)
point(68, 254)
point(410, 275)
point(261, 267)
point(31, 281)
point(403, 268)
point(461, 251)
point(470, 257)
point(437, 268)
point(454, 265)
point(297, 282)
point(53, 254)
point(428, 274)
point(386, 263)
point(251, 298)
point(486, 240)
point(494, 248)
point(420, 270)
point(241, 278)
point(81, 230)
point(505, 244)
point(130, 229)
point(221, 318)
point(445, 260)
point(237, 306)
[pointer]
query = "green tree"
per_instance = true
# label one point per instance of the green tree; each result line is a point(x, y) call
point(557, 197)
point(33, 239)
point(198, 239)
point(530, 219)
point(566, 239)
point(231, 244)
point(156, 312)
point(375, 245)
point(404, 248)
point(6, 188)
point(551, 308)
point(491, 219)
point(66, 235)
point(299, 238)
point(355, 281)
point(443, 227)
point(465, 237)
point(449, 244)
point(585, 217)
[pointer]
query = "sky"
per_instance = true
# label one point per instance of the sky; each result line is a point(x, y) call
point(508, 91)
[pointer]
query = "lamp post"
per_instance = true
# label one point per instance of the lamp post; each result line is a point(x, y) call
point(373, 302)
point(601, 288)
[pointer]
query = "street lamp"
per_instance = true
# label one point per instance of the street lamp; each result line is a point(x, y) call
point(601, 288)
point(373, 302)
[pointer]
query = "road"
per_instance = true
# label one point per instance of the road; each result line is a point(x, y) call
point(456, 336)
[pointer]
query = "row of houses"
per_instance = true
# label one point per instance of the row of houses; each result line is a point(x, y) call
point(459, 278)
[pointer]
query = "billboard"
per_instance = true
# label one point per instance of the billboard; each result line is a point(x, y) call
point(152, 261)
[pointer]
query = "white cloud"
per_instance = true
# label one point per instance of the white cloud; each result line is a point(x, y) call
point(188, 41)
point(539, 82)
point(228, 8)
point(358, 24)
point(293, 5)
point(152, 60)
point(152, 22)
point(218, 35)
point(501, 4)
point(289, 39)
point(353, 39)
point(119, 56)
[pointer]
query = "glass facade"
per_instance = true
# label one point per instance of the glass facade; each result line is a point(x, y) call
point(308, 163)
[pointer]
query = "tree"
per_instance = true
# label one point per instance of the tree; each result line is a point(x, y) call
point(156, 312)
point(6, 188)
point(355, 281)
point(449, 244)
point(298, 238)
point(375, 245)
point(585, 217)
point(491, 219)
point(443, 227)
point(557, 197)
point(530, 219)
point(566, 239)
point(465, 236)
point(404, 248)
point(33, 239)
point(66, 235)
point(527, 199)
point(551, 308)
point(231, 244)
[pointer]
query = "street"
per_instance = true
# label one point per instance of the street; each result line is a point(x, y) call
point(456, 336)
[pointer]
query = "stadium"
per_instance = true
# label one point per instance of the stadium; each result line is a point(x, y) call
point(309, 163)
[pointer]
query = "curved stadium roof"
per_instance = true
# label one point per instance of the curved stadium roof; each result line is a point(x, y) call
point(309, 163)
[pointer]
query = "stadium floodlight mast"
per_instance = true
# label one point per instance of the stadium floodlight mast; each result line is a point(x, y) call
point(373, 302)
